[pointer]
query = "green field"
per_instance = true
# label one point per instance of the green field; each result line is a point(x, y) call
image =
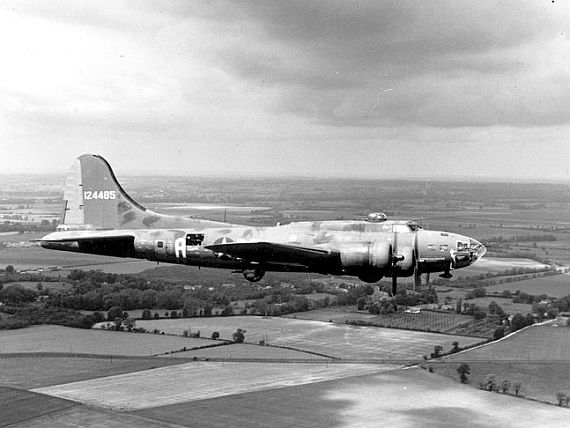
point(335, 340)
point(537, 357)
point(243, 351)
point(37, 371)
point(18, 406)
point(430, 321)
point(36, 257)
point(232, 378)
point(506, 304)
point(552, 286)
point(59, 339)
point(51, 285)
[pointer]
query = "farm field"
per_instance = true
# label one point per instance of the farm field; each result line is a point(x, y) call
point(37, 257)
point(403, 398)
point(538, 357)
point(430, 321)
point(340, 341)
point(18, 405)
point(552, 285)
point(245, 351)
point(35, 371)
point(338, 316)
point(33, 285)
point(496, 265)
point(214, 379)
point(46, 338)
point(506, 304)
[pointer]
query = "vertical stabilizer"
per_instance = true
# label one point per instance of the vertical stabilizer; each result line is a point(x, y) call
point(94, 199)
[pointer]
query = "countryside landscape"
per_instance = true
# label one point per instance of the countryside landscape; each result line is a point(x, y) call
point(81, 335)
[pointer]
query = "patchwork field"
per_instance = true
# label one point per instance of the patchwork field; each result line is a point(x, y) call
point(538, 358)
point(496, 265)
point(37, 257)
point(552, 286)
point(242, 351)
point(36, 371)
point(71, 340)
point(339, 341)
point(18, 405)
point(506, 304)
point(430, 321)
point(410, 398)
point(214, 380)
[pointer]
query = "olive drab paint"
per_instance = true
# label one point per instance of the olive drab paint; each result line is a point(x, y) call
point(99, 217)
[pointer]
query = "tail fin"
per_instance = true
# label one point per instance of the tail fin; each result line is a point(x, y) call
point(93, 198)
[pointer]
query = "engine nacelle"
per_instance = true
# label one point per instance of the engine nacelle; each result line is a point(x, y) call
point(406, 261)
point(372, 255)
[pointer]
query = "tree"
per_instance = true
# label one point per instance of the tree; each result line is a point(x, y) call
point(10, 270)
point(562, 398)
point(118, 323)
point(464, 371)
point(499, 333)
point(98, 316)
point(436, 351)
point(455, 347)
point(146, 314)
point(517, 387)
point(490, 382)
point(215, 335)
point(239, 335)
point(114, 312)
point(129, 323)
point(518, 322)
point(361, 303)
point(505, 386)
point(458, 306)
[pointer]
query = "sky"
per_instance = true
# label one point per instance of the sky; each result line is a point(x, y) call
point(436, 89)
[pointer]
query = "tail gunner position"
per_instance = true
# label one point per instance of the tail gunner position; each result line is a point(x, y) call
point(100, 218)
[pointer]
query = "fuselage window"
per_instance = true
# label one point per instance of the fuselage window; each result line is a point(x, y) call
point(194, 239)
point(160, 244)
point(443, 247)
point(431, 247)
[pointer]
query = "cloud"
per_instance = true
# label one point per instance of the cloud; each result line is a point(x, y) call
point(288, 86)
point(450, 64)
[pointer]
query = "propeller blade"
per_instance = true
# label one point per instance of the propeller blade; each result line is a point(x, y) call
point(417, 279)
point(394, 285)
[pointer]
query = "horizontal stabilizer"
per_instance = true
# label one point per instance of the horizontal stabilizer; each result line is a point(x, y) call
point(272, 252)
point(109, 243)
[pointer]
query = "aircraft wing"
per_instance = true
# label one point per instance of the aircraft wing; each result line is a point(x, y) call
point(273, 252)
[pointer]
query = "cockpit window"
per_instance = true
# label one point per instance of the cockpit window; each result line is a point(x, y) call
point(462, 246)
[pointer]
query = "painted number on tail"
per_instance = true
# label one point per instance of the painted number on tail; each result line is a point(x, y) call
point(100, 194)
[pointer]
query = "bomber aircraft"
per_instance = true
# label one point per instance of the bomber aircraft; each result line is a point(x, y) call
point(99, 217)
